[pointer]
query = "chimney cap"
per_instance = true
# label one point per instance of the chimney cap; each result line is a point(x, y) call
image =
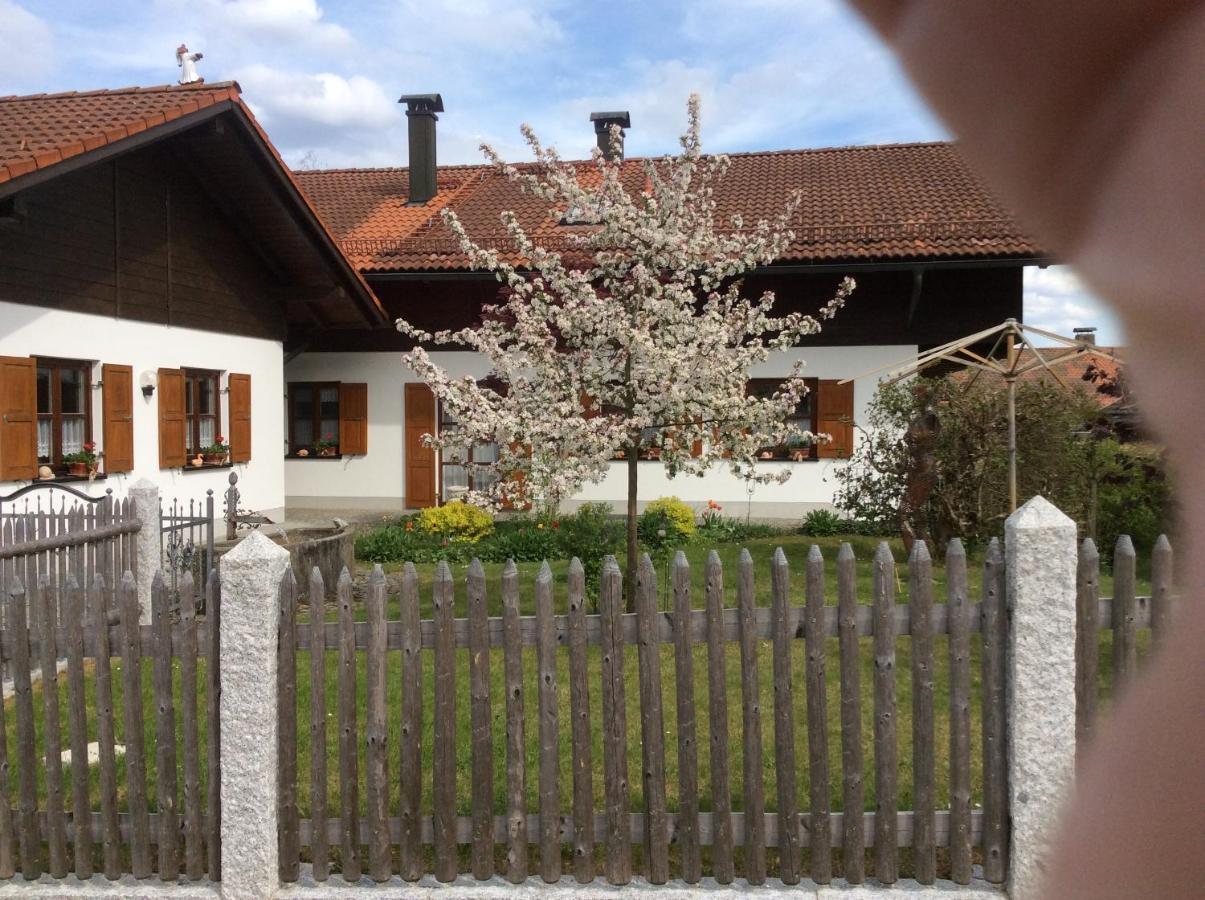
point(604, 120)
point(422, 103)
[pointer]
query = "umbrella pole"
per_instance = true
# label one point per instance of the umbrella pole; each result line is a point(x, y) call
point(1012, 445)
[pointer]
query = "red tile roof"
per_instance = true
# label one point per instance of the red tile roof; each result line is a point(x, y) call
point(39, 130)
point(888, 202)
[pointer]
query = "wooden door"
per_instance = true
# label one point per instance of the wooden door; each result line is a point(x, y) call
point(419, 460)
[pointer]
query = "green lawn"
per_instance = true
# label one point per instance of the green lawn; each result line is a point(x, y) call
point(796, 548)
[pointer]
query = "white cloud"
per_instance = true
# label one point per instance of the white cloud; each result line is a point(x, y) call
point(1056, 300)
point(282, 97)
point(26, 45)
point(498, 28)
point(288, 20)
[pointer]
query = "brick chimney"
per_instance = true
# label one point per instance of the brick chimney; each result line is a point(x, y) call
point(602, 131)
point(421, 118)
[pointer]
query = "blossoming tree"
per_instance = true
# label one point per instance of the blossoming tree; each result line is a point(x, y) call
point(630, 339)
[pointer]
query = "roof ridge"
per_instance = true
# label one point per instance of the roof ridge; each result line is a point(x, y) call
point(130, 89)
point(790, 151)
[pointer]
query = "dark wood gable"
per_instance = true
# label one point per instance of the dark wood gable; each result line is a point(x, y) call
point(137, 238)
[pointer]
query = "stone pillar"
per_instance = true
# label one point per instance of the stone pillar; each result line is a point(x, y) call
point(145, 494)
point(251, 575)
point(1040, 546)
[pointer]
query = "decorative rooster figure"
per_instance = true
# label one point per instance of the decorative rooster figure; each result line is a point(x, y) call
point(187, 61)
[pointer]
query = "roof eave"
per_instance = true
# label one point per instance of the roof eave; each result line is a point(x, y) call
point(110, 149)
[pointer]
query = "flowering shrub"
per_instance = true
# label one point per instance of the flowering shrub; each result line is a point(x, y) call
point(677, 512)
point(457, 521)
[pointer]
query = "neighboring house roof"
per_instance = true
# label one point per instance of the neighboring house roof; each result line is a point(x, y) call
point(43, 136)
point(896, 202)
point(1071, 369)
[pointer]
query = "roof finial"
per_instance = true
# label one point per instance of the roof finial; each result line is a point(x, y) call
point(187, 61)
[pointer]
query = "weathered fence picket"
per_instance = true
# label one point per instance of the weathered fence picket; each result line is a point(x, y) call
point(376, 751)
point(886, 858)
point(46, 604)
point(1125, 636)
point(410, 838)
point(165, 730)
point(687, 831)
point(784, 720)
point(717, 699)
point(958, 616)
point(444, 757)
point(549, 736)
point(652, 729)
point(853, 856)
point(319, 846)
point(481, 724)
point(924, 789)
point(995, 762)
point(755, 800)
point(615, 730)
point(194, 866)
point(288, 843)
point(516, 770)
point(1087, 640)
point(349, 781)
point(579, 712)
point(819, 818)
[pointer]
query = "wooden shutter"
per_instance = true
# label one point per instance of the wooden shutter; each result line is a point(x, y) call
point(173, 424)
point(18, 418)
point(117, 395)
point(419, 460)
point(835, 417)
point(240, 418)
point(353, 419)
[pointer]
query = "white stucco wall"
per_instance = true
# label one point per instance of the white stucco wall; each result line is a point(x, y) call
point(34, 331)
point(376, 480)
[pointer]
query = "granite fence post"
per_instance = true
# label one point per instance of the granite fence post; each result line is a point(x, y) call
point(145, 494)
point(1040, 546)
point(251, 575)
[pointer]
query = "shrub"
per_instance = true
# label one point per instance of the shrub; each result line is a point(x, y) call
point(405, 541)
point(457, 521)
point(590, 534)
point(822, 523)
point(669, 513)
point(522, 539)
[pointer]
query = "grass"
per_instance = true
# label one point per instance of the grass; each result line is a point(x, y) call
point(761, 550)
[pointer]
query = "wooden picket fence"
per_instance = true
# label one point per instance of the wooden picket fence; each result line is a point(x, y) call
point(708, 838)
point(113, 826)
point(1124, 615)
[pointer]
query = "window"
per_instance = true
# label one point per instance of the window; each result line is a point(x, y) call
point(463, 468)
point(803, 418)
point(328, 418)
point(202, 409)
point(313, 415)
point(64, 391)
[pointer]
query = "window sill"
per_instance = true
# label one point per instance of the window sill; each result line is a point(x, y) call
point(313, 456)
point(207, 466)
point(68, 479)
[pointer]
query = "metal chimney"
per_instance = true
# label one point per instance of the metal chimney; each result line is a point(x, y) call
point(602, 131)
point(420, 113)
point(1086, 334)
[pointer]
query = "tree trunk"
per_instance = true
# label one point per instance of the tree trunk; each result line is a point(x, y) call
point(629, 580)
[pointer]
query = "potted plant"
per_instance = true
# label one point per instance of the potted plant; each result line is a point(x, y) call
point(327, 446)
point(798, 448)
point(215, 453)
point(82, 462)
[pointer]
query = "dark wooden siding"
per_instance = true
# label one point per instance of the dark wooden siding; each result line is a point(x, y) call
point(137, 238)
point(953, 302)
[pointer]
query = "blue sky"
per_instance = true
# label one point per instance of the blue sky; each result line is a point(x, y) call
point(324, 75)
